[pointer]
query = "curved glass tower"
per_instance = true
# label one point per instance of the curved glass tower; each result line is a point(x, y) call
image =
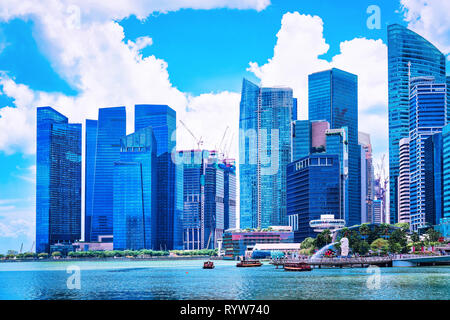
point(409, 55)
point(265, 151)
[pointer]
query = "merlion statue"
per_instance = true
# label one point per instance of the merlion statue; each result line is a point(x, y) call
point(344, 247)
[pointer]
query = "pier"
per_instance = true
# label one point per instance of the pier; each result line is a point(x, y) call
point(407, 260)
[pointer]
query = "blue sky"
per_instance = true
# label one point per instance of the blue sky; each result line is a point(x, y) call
point(196, 61)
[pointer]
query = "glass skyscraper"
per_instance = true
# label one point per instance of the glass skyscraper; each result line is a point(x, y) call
point(433, 179)
point(90, 149)
point(446, 172)
point(409, 55)
point(428, 115)
point(313, 184)
point(229, 168)
point(111, 128)
point(135, 192)
point(205, 195)
point(301, 139)
point(162, 119)
point(58, 180)
point(333, 97)
point(265, 151)
point(336, 144)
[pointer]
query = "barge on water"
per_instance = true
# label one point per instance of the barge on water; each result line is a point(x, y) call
point(297, 266)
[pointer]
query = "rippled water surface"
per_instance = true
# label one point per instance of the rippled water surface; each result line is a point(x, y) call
point(187, 280)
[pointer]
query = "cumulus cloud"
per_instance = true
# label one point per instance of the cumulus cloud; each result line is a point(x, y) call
point(429, 18)
point(300, 43)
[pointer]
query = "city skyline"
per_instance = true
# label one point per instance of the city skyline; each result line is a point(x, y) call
point(17, 160)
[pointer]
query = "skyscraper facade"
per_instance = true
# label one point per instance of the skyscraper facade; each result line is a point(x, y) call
point(58, 180)
point(446, 172)
point(204, 199)
point(409, 55)
point(301, 139)
point(265, 151)
point(367, 163)
point(90, 149)
point(110, 129)
point(333, 97)
point(428, 115)
point(433, 179)
point(313, 184)
point(135, 192)
point(229, 168)
point(336, 144)
point(162, 119)
point(403, 182)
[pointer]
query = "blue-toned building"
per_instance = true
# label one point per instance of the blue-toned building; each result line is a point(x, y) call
point(336, 143)
point(162, 119)
point(333, 96)
point(446, 174)
point(409, 55)
point(58, 180)
point(428, 115)
point(301, 139)
point(205, 198)
point(135, 192)
point(90, 149)
point(313, 189)
point(265, 151)
point(433, 179)
point(230, 200)
point(295, 109)
point(111, 127)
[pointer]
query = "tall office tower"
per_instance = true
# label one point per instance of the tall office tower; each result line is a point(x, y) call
point(229, 167)
point(265, 151)
point(380, 191)
point(333, 97)
point(403, 182)
point(409, 55)
point(318, 138)
point(336, 143)
point(363, 175)
point(448, 98)
point(366, 145)
point(204, 214)
point(428, 115)
point(89, 169)
point(111, 127)
point(446, 175)
point(58, 180)
point(162, 119)
point(135, 191)
point(377, 211)
point(301, 139)
point(294, 109)
point(433, 179)
point(313, 184)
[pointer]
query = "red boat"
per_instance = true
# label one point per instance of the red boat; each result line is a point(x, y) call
point(248, 263)
point(297, 266)
point(208, 265)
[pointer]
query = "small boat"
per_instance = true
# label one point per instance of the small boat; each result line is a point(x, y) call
point(248, 263)
point(297, 266)
point(208, 265)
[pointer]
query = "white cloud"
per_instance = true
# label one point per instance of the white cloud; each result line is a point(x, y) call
point(430, 19)
point(296, 55)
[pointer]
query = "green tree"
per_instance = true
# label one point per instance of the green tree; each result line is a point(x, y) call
point(380, 245)
point(364, 230)
point(43, 255)
point(415, 237)
point(307, 243)
point(433, 235)
point(384, 230)
point(363, 248)
point(403, 225)
point(398, 241)
point(323, 238)
point(56, 254)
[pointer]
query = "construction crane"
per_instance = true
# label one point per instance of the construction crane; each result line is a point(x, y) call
point(222, 152)
point(227, 147)
point(32, 246)
point(198, 141)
